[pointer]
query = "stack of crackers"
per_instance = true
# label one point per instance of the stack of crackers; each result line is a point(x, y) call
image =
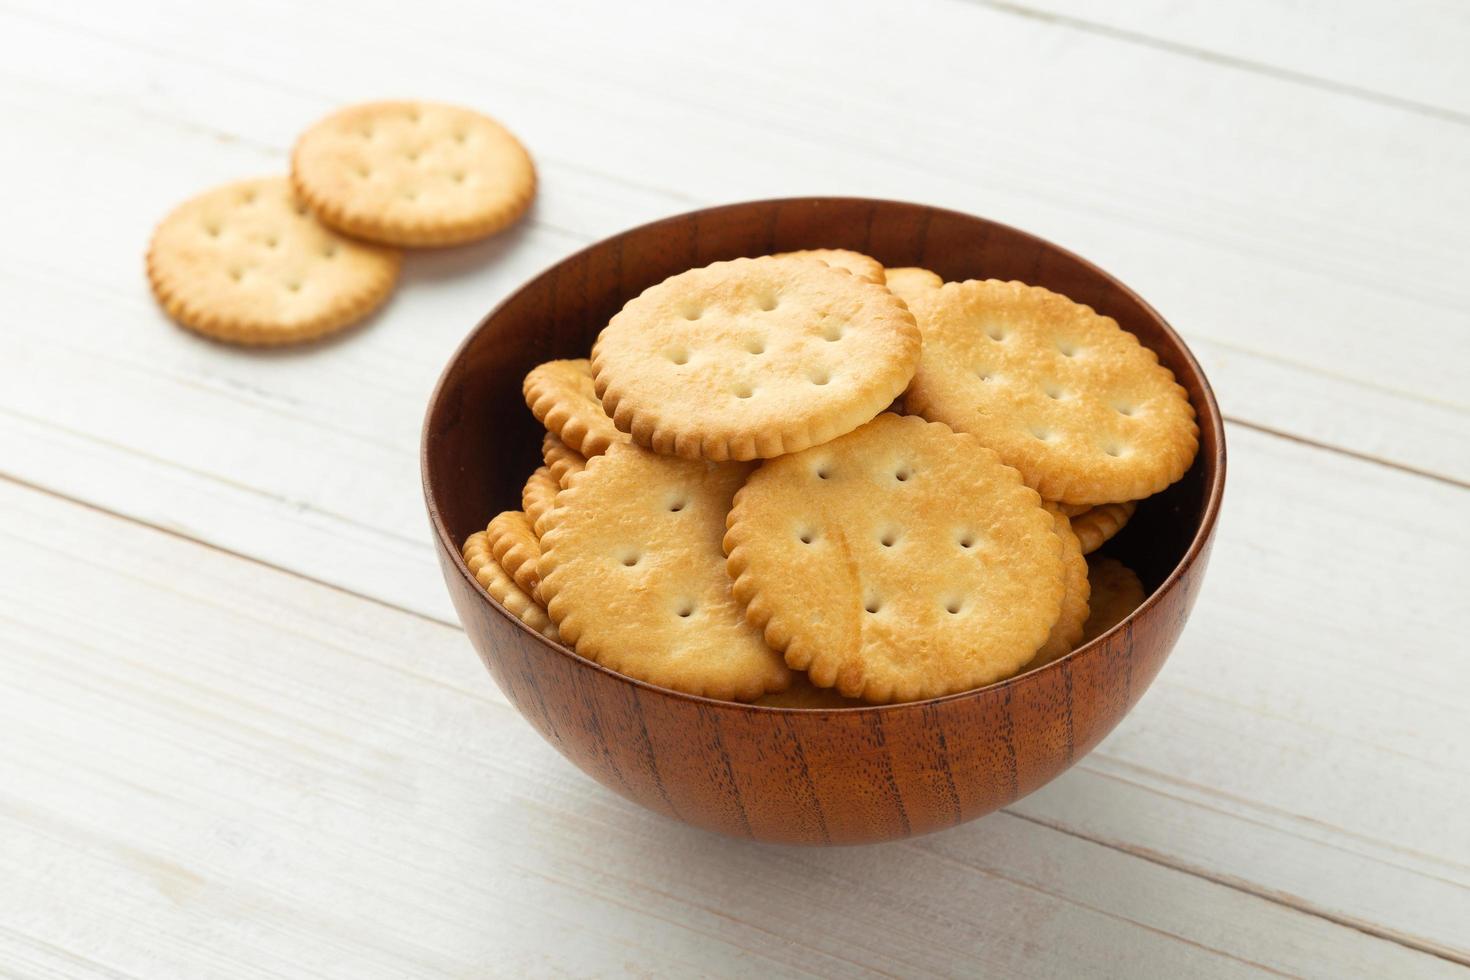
point(282, 260)
point(809, 481)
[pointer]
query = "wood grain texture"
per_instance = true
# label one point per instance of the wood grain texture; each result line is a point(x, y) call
point(823, 777)
point(1261, 309)
point(213, 769)
point(1304, 746)
point(1409, 54)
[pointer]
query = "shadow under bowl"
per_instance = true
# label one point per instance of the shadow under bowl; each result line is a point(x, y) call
point(838, 776)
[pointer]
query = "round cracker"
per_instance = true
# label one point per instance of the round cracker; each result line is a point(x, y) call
point(898, 562)
point(753, 358)
point(633, 575)
point(538, 495)
point(247, 263)
point(1096, 526)
point(804, 694)
point(1116, 592)
point(1086, 413)
point(561, 396)
point(561, 460)
point(413, 173)
point(865, 267)
point(910, 282)
point(516, 548)
point(1067, 630)
point(502, 587)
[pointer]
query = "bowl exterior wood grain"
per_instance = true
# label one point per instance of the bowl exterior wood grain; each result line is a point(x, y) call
point(810, 777)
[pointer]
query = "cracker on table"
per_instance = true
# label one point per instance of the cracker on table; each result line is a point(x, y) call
point(753, 358)
point(1066, 632)
point(1086, 413)
point(1097, 525)
point(537, 496)
point(413, 173)
point(502, 587)
point(247, 263)
point(562, 397)
point(515, 547)
point(560, 459)
point(633, 575)
point(900, 561)
point(910, 282)
point(1116, 592)
point(865, 267)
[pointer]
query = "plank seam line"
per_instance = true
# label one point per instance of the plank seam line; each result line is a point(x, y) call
point(1140, 853)
point(1296, 902)
point(1226, 60)
point(670, 195)
point(1091, 907)
point(220, 549)
point(1446, 479)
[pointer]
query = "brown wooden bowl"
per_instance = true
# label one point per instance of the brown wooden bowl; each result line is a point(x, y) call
point(802, 776)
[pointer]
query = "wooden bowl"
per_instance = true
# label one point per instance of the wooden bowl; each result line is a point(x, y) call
point(801, 776)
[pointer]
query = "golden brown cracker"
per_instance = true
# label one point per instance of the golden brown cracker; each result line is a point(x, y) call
point(413, 173)
point(898, 562)
point(561, 460)
point(1097, 525)
point(247, 263)
point(1067, 630)
point(561, 396)
point(1086, 413)
point(804, 694)
point(537, 496)
point(502, 587)
point(753, 358)
point(514, 545)
point(865, 267)
point(633, 575)
point(908, 283)
point(1116, 592)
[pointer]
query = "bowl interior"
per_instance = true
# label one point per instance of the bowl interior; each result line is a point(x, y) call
point(481, 442)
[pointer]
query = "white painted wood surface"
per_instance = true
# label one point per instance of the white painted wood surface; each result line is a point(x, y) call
point(241, 735)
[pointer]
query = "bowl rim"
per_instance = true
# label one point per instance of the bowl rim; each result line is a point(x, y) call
point(1207, 414)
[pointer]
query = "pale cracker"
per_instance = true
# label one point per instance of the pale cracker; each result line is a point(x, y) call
point(1072, 510)
point(502, 587)
point(753, 358)
point(561, 460)
point(537, 496)
point(413, 173)
point(898, 562)
point(1096, 525)
point(804, 694)
point(633, 575)
point(561, 396)
point(910, 282)
point(1116, 592)
point(247, 263)
point(1074, 402)
point(1067, 630)
point(515, 547)
point(865, 267)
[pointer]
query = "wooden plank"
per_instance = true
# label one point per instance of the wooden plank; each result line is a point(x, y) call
point(1267, 325)
point(1286, 662)
point(1410, 53)
point(1301, 807)
point(217, 769)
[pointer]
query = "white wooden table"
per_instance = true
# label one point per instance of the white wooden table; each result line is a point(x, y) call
point(242, 735)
